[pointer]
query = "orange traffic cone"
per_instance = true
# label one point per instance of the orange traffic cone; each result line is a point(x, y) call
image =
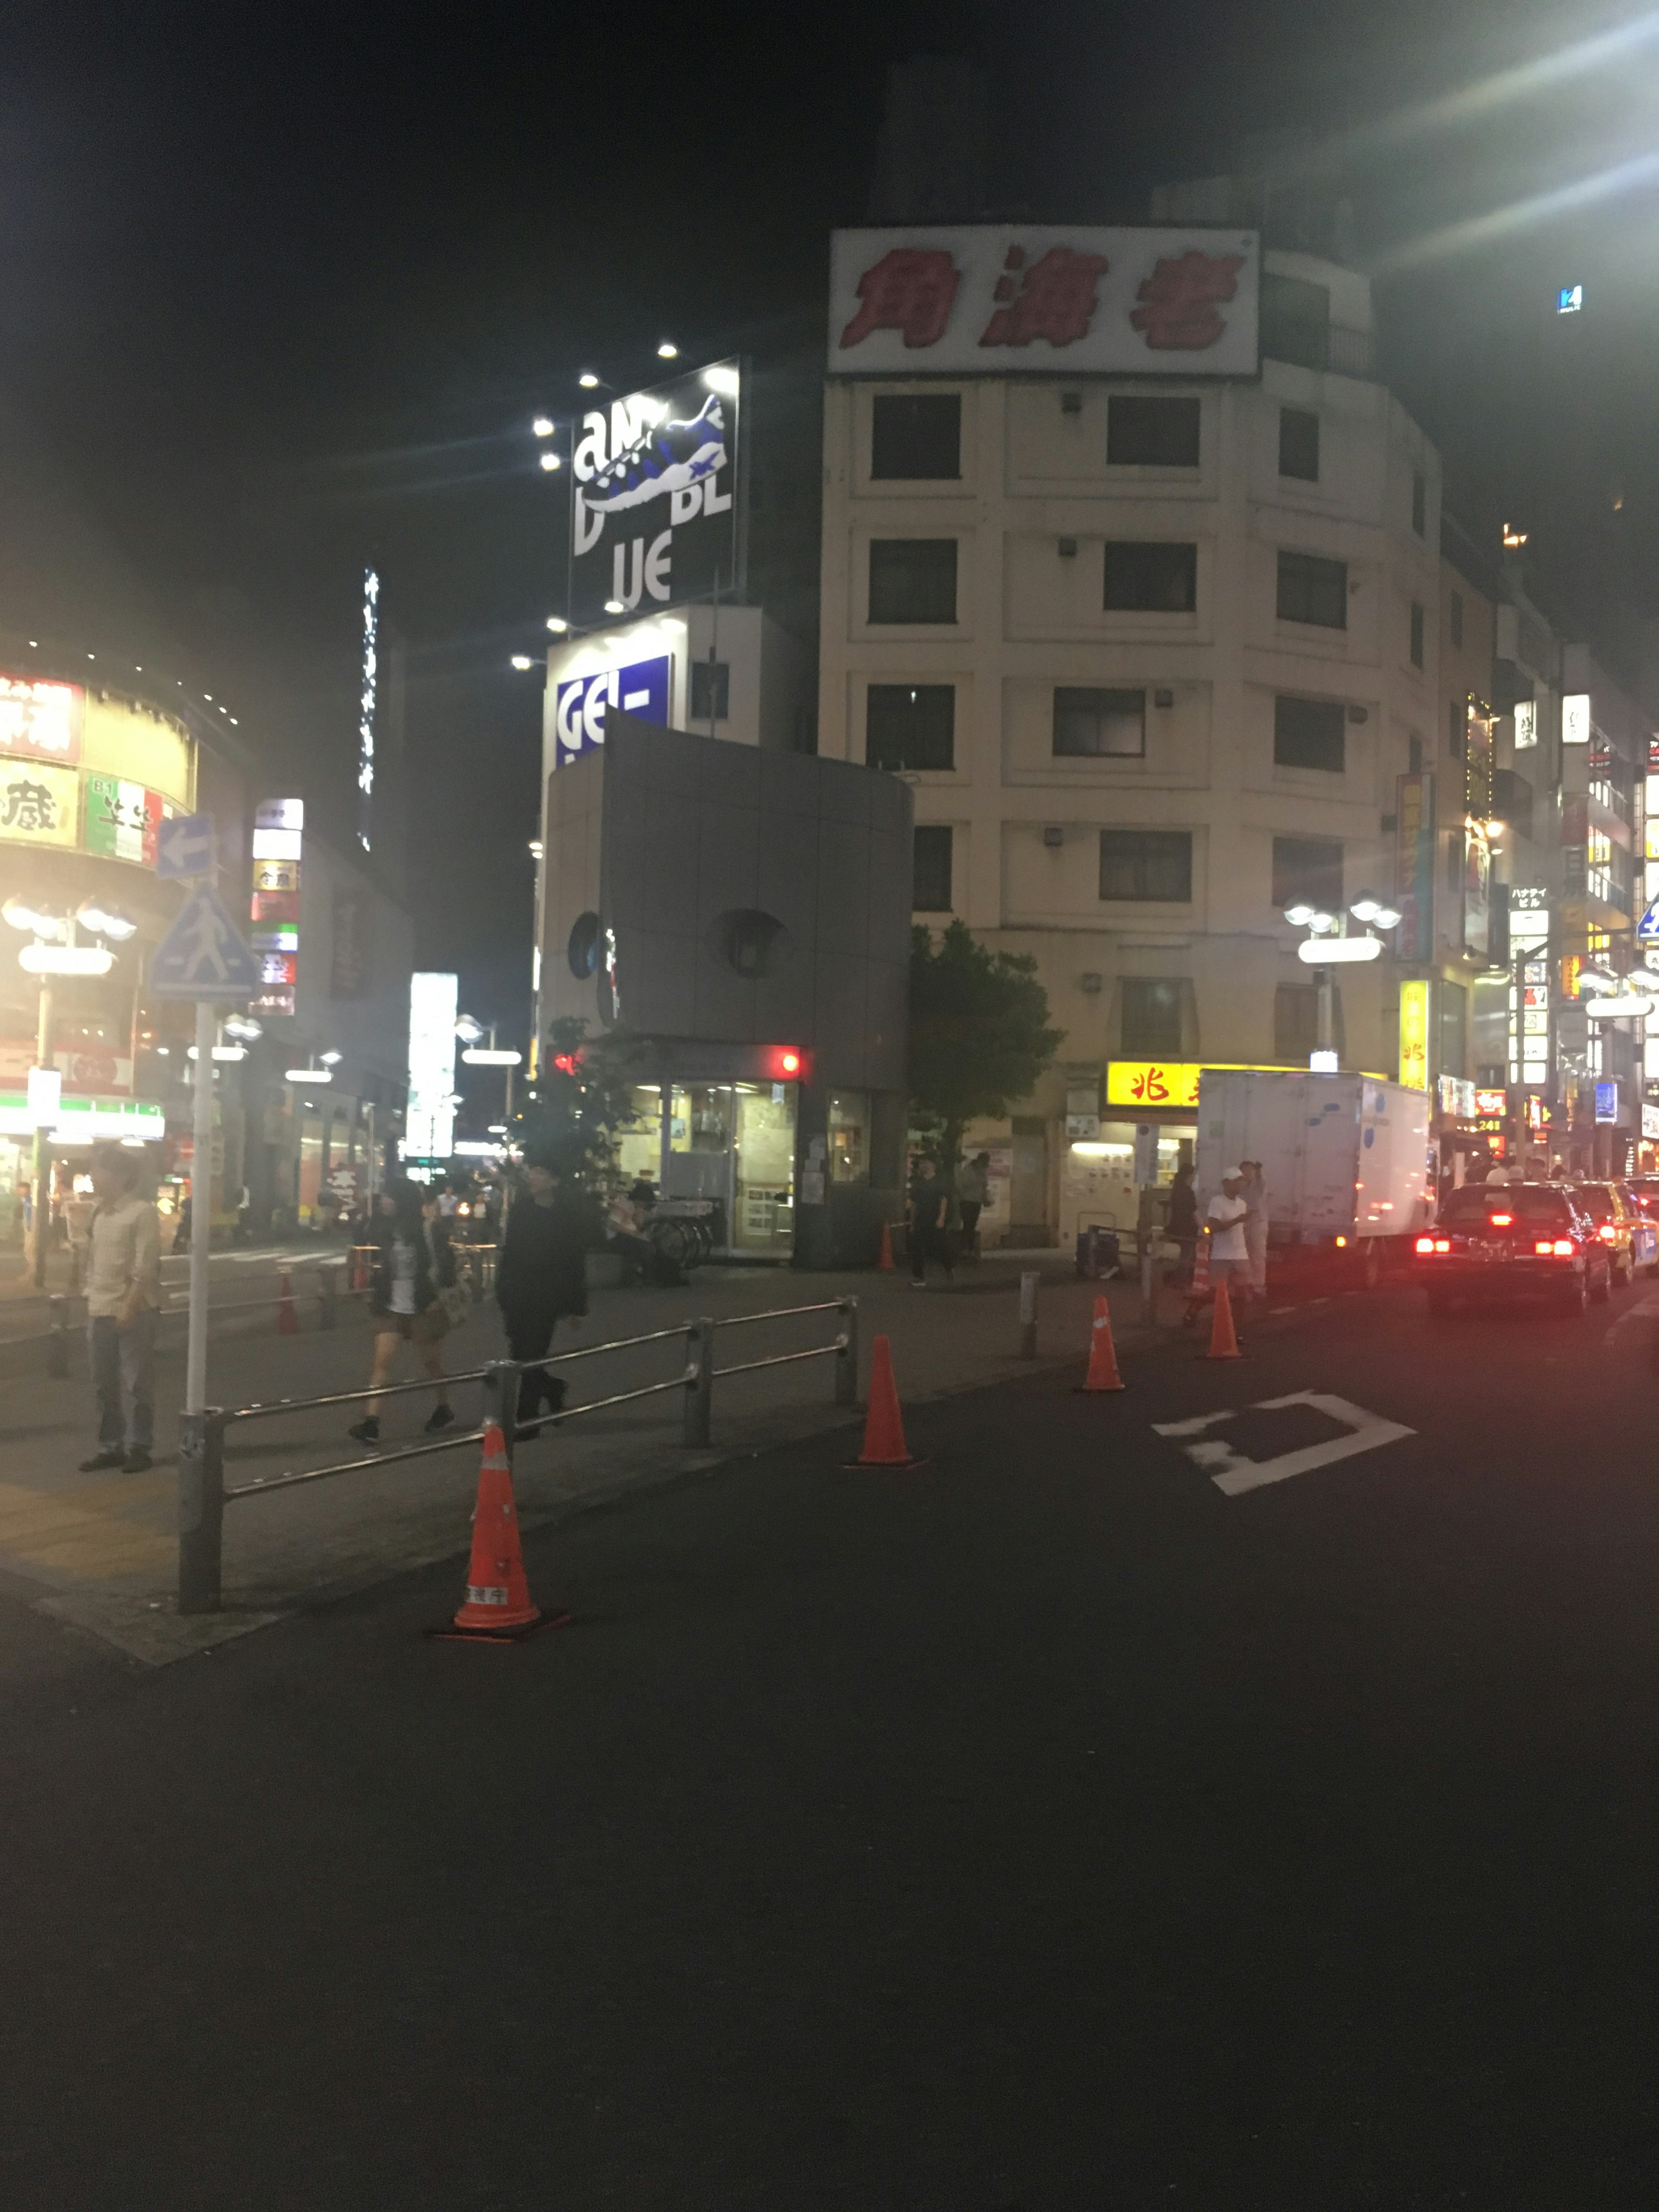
point(1103, 1355)
point(884, 1257)
point(1224, 1344)
point(288, 1320)
point(498, 1608)
point(884, 1427)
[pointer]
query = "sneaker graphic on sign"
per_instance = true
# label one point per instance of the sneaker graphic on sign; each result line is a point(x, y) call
point(665, 458)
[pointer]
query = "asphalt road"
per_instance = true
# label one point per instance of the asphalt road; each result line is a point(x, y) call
point(1046, 1827)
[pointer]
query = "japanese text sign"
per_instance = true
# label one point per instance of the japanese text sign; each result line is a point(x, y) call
point(1032, 298)
point(39, 805)
point(40, 721)
point(1414, 1034)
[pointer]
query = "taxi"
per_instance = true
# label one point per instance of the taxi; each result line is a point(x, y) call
point(1620, 1224)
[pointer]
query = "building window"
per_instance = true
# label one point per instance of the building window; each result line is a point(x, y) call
point(916, 434)
point(1150, 866)
point(910, 725)
point(1455, 618)
point(1417, 633)
point(932, 893)
point(1152, 1017)
point(1299, 444)
point(1457, 727)
point(711, 690)
point(913, 580)
point(1309, 733)
point(1151, 434)
point(1295, 1023)
point(1296, 321)
point(1091, 724)
point(1155, 578)
point(1307, 871)
point(1419, 502)
point(1313, 590)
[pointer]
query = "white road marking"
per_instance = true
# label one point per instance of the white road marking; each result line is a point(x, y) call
point(1647, 1310)
point(1232, 1474)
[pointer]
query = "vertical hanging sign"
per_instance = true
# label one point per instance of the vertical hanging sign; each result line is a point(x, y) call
point(366, 707)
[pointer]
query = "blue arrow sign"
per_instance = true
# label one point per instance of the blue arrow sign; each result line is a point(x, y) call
point(1647, 930)
point(184, 847)
point(202, 955)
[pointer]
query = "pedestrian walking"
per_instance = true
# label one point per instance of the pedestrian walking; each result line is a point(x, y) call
point(1255, 1195)
point(928, 1201)
point(124, 1293)
point(181, 1226)
point(411, 1267)
point(1229, 1257)
point(541, 1279)
point(1181, 1222)
point(972, 1183)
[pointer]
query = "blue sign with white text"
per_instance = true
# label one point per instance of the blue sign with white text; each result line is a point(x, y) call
point(580, 704)
point(1607, 1102)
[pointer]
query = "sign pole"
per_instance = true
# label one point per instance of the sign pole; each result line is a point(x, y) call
point(201, 1211)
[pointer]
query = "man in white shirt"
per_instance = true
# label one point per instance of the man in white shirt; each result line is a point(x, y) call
point(1255, 1195)
point(1229, 1257)
point(124, 1293)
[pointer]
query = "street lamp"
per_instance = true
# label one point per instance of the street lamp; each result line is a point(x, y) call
point(1328, 944)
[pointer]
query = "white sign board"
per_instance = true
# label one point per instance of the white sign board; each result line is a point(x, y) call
point(46, 1096)
point(1038, 299)
point(429, 1123)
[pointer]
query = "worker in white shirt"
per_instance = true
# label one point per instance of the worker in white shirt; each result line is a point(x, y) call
point(1229, 1255)
point(1255, 1195)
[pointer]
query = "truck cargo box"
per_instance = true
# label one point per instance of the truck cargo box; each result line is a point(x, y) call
point(1342, 1154)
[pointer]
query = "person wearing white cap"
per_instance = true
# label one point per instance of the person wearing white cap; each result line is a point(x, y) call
point(1229, 1257)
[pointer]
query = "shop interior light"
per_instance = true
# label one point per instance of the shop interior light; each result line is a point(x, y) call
point(543, 426)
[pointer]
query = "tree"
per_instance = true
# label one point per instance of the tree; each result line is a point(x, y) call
point(979, 1032)
point(586, 1100)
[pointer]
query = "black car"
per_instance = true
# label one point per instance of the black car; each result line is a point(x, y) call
point(1509, 1241)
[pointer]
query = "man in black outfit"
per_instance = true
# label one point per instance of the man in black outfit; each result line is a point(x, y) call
point(541, 1275)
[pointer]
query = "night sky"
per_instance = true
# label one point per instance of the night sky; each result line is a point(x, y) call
point(282, 288)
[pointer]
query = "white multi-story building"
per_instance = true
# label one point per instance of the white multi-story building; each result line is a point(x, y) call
point(1154, 646)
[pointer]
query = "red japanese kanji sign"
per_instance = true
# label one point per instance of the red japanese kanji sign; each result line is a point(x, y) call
point(976, 300)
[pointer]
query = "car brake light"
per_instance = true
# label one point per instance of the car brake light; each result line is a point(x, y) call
point(1425, 1243)
point(1563, 1247)
point(1442, 1244)
point(1607, 1232)
point(1543, 1248)
point(1502, 1220)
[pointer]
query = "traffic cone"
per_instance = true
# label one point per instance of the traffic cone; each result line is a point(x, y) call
point(287, 1320)
point(884, 1427)
point(884, 1257)
point(1224, 1344)
point(1103, 1355)
point(498, 1607)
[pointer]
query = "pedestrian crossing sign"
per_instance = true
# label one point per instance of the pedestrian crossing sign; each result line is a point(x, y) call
point(202, 956)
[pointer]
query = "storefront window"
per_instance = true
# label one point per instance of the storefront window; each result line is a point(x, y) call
point(764, 1215)
point(639, 1147)
point(849, 1136)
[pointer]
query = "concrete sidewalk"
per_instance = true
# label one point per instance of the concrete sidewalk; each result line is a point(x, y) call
point(101, 1551)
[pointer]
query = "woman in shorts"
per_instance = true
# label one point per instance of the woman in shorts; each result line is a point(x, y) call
point(412, 1264)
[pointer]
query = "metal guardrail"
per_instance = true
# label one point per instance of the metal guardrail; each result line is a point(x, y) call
point(203, 1492)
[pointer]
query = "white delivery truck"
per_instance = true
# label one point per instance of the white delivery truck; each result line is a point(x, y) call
point(1346, 1158)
